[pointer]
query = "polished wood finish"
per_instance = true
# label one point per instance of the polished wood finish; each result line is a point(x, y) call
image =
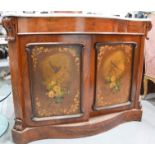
point(44, 108)
point(75, 130)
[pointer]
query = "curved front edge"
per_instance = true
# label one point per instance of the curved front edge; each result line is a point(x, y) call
point(75, 130)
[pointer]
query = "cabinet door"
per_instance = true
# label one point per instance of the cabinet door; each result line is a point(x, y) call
point(114, 72)
point(55, 72)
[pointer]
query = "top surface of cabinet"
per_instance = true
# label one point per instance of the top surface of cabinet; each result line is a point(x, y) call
point(76, 23)
point(73, 15)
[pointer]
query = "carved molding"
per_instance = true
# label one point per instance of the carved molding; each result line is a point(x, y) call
point(148, 28)
point(10, 27)
point(18, 124)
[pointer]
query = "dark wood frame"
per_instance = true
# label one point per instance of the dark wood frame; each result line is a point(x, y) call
point(53, 119)
point(127, 105)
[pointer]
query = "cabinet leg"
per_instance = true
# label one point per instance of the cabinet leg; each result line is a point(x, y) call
point(145, 87)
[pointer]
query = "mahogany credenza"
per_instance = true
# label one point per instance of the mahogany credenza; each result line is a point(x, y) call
point(75, 75)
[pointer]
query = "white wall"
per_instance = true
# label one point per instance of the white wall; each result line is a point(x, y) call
point(100, 6)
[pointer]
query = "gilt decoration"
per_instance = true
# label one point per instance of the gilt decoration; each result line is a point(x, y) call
point(114, 74)
point(56, 78)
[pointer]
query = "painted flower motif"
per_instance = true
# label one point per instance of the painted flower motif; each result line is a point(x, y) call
point(57, 89)
point(114, 83)
point(51, 94)
point(55, 92)
point(53, 83)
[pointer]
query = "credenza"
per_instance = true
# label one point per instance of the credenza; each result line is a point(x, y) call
point(74, 75)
